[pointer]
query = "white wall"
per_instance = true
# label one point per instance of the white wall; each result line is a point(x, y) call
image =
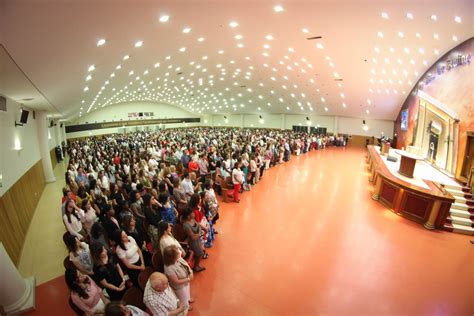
point(353, 126)
point(14, 163)
point(120, 112)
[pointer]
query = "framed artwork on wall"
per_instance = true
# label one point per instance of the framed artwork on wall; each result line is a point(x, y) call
point(404, 121)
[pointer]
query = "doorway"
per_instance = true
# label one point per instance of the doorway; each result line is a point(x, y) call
point(468, 156)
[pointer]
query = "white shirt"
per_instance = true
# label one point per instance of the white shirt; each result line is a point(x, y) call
point(75, 226)
point(187, 185)
point(237, 176)
point(131, 254)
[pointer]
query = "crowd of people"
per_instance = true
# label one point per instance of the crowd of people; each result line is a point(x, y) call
point(141, 209)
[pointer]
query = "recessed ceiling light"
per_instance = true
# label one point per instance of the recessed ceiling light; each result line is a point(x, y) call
point(436, 52)
point(126, 57)
point(377, 50)
point(278, 8)
point(186, 30)
point(435, 36)
point(409, 16)
point(305, 30)
point(406, 50)
point(89, 77)
point(392, 50)
point(157, 65)
point(164, 18)
point(380, 34)
point(220, 52)
point(457, 19)
point(101, 42)
point(86, 89)
point(91, 68)
point(182, 49)
point(168, 57)
point(421, 51)
point(401, 35)
point(139, 44)
point(240, 45)
point(201, 39)
point(291, 49)
point(238, 37)
point(385, 15)
point(233, 24)
point(269, 37)
point(418, 35)
point(455, 38)
point(434, 17)
point(326, 108)
point(320, 46)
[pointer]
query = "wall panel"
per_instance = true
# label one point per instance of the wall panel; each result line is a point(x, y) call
point(17, 207)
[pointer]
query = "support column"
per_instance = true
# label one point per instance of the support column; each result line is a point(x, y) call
point(42, 133)
point(57, 132)
point(378, 187)
point(17, 295)
point(430, 224)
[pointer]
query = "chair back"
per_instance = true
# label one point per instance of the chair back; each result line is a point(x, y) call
point(157, 261)
point(144, 276)
point(133, 296)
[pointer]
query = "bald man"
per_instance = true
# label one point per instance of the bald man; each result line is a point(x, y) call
point(160, 298)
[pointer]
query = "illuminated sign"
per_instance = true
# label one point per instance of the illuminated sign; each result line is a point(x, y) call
point(447, 65)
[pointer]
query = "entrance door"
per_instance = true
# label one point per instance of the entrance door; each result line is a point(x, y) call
point(468, 156)
point(433, 147)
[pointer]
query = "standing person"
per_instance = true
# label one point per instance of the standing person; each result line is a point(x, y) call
point(90, 216)
point(85, 294)
point(193, 235)
point(237, 180)
point(179, 274)
point(128, 251)
point(73, 219)
point(108, 273)
point(160, 298)
point(79, 253)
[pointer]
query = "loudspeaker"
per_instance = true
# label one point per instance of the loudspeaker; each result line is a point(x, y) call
point(392, 158)
point(3, 103)
point(24, 116)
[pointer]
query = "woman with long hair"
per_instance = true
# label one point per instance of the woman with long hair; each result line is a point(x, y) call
point(128, 251)
point(84, 292)
point(73, 219)
point(108, 273)
point(193, 236)
point(79, 253)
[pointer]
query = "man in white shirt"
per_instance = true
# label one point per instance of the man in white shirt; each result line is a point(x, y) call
point(237, 180)
point(187, 185)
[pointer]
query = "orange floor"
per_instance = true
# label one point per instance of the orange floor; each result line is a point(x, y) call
point(309, 240)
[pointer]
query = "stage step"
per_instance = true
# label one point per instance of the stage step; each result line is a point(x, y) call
point(459, 206)
point(460, 221)
point(463, 229)
point(452, 187)
point(461, 213)
point(456, 192)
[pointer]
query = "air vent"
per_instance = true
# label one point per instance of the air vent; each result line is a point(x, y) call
point(180, 73)
point(338, 79)
point(243, 86)
point(27, 99)
point(314, 38)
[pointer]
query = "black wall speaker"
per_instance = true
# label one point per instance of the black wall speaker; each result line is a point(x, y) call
point(24, 116)
point(3, 103)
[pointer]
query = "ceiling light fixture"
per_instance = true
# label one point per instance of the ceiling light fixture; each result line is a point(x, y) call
point(201, 39)
point(139, 44)
point(186, 30)
point(164, 18)
point(434, 17)
point(384, 15)
point(278, 8)
point(457, 19)
point(91, 68)
point(233, 24)
point(409, 16)
point(101, 42)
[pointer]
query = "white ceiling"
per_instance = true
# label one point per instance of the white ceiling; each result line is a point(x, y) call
point(55, 42)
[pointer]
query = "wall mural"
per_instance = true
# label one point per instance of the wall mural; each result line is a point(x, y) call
point(450, 81)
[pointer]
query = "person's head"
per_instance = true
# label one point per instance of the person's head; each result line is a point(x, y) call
point(186, 175)
point(176, 182)
point(108, 210)
point(71, 242)
point(164, 228)
point(140, 187)
point(158, 281)
point(117, 308)
point(208, 184)
point(97, 230)
point(171, 254)
point(147, 200)
point(194, 201)
point(129, 223)
point(163, 198)
point(75, 281)
point(188, 214)
point(192, 176)
point(86, 204)
point(121, 238)
point(99, 255)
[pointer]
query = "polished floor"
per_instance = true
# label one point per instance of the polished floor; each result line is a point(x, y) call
point(309, 240)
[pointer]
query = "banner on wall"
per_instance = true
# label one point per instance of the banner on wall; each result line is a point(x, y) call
point(94, 126)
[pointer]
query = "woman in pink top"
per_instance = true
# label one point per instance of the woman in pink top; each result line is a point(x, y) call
point(85, 294)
